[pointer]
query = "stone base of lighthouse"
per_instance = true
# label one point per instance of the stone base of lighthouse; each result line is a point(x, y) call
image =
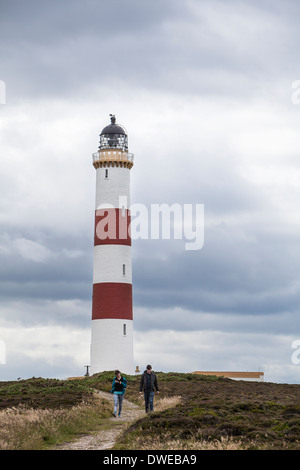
point(112, 345)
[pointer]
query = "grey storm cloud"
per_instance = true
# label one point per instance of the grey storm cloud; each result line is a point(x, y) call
point(65, 48)
point(204, 89)
point(233, 274)
point(47, 269)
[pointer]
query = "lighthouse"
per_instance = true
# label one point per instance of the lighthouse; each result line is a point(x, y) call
point(112, 313)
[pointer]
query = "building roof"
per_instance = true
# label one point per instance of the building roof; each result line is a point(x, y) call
point(252, 375)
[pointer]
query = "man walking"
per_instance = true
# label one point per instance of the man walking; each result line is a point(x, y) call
point(148, 383)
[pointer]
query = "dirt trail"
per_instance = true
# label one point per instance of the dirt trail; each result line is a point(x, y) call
point(105, 439)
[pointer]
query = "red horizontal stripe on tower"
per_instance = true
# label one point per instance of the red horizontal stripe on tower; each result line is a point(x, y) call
point(112, 300)
point(112, 226)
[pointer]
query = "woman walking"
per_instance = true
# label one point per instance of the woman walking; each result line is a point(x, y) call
point(118, 389)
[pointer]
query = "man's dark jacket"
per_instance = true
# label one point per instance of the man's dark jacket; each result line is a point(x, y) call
point(144, 382)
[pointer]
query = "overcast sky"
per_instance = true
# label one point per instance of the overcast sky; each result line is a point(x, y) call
point(205, 91)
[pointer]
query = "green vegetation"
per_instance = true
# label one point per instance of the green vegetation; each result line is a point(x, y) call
point(250, 415)
point(43, 393)
point(213, 412)
point(36, 413)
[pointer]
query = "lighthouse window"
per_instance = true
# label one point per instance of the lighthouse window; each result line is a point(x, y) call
point(124, 270)
point(106, 173)
point(124, 329)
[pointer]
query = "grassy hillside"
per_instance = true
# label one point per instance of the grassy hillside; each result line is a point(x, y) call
point(252, 414)
point(212, 410)
point(255, 415)
point(38, 413)
point(42, 393)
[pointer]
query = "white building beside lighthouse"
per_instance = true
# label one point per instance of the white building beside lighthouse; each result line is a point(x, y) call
point(112, 314)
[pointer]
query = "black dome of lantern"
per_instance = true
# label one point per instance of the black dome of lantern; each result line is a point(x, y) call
point(113, 136)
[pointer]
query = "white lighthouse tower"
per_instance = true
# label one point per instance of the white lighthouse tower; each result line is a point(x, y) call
point(112, 317)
